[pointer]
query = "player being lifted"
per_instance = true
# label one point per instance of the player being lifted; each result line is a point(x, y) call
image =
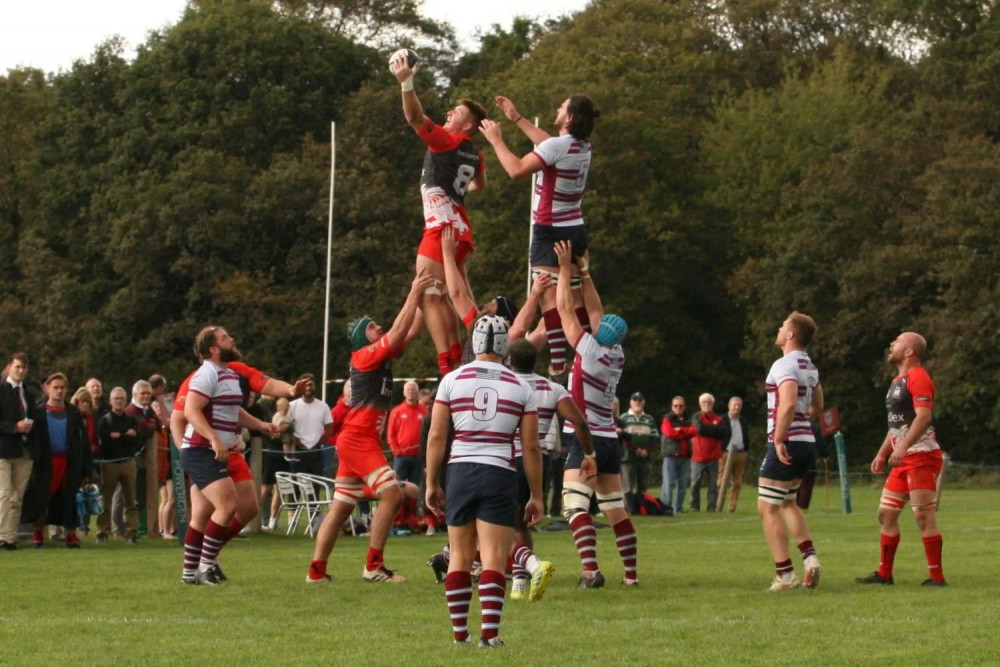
point(452, 167)
point(593, 381)
point(562, 163)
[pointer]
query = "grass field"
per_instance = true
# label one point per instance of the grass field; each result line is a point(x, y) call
point(702, 600)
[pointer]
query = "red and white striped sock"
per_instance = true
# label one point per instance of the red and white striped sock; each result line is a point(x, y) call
point(458, 592)
point(585, 537)
point(557, 339)
point(214, 540)
point(492, 588)
point(627, 548)
point(192, 552)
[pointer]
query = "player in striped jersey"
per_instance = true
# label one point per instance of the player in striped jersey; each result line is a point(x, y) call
point(486, 403)
point(214, 418)
point(794, 395)
point(562, 163)
point(593, 381)
point(247, 506)
point(551, 399)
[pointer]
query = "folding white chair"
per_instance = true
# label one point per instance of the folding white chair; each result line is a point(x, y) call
point(316, 502)
point(291, 498)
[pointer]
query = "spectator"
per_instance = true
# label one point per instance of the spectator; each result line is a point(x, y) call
point(275, 461)
point(96, 391)
point(675, 445)
point(166, 517)
point(736, 451)
point(119, 437)
point(313, 426)
point(149, 425)
point(426, 398)
point(84, 405)
point(641, 428)
point(706, 451)
point(64, 462)
point(403, 435)
point(18, 447)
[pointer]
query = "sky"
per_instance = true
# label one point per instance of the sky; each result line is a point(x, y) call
point(51, 34)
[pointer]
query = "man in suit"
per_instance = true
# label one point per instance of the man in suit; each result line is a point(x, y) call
point(17, 447)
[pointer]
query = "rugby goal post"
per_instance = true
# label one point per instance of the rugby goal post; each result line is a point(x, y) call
point(329, 256)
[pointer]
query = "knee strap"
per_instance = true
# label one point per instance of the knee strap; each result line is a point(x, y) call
point(772, 495)
point(610, 501)
point(920, 508)
point(893, 503)
point(380, 479)
point(575, 282)
point(790, 494)
point(576, 498)
point(349, 492)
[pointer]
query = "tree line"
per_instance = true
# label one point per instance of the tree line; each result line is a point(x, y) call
point(832, 156)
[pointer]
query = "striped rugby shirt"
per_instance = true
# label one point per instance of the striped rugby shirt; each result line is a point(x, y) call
point(547, 396)
point(796, 366)
point(486, 401)
point(558, 197)
point(593, 381)
point(221, 386)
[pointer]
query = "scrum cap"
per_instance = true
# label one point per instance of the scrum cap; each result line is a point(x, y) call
point(490, 336)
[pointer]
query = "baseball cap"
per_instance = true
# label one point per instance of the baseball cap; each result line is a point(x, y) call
point(637, 396)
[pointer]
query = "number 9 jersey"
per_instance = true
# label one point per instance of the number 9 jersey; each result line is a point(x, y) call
point(486, 401)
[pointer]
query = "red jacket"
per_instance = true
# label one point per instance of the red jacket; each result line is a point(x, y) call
point(403, 433)
point(713, 430)
point(679, 429)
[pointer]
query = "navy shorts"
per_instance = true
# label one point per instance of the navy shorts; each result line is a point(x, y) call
point(523, 491)
point(200, 465)
point(543, 239)
point(608, 452)
point(481, 491)
point(803, 460)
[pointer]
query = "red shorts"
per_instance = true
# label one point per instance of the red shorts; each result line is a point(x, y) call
point(917, 471)
point(359, 455)
point(238, 468)
point(430, 246)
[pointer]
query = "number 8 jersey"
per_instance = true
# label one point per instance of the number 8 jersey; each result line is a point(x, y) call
point(451, 163)
point(486, 402)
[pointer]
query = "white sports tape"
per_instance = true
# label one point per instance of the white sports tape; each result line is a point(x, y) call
point(380, 478)
point(610, 501)
point(773, 495)
point(576, 498)
point(348, 493)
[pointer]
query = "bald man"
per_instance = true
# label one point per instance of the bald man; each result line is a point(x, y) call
point(911, 449)
point(403, 434)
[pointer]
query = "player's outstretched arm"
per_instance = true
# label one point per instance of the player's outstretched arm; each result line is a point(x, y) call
point(413, 110)
point(404, 320)
point(536, 134)
point(564, 294)
point(591, 298)
point(453, 276)
point(516, 167)
point(568, 410)
point(522, 324)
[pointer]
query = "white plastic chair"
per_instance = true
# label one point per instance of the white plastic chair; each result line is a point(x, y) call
point(314, 502)
point(291, 498)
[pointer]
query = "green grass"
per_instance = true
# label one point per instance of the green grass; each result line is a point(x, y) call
point(702, 600)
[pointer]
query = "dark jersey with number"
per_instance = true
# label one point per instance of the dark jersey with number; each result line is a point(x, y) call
point(908, 392)
point(371, 387)
point(451, 162)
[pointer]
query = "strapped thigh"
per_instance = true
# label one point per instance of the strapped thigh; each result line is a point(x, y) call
point(920, 508)
point(576, 498)
point(611, 501)
point(380, 479)
point(772, 495)
point(348, 492)
point(891, 502)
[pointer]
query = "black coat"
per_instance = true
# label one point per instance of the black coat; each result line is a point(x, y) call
point(12, 443)
point(61, 508)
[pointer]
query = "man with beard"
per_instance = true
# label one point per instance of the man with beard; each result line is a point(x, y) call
point(212, 410)
point(313, 426)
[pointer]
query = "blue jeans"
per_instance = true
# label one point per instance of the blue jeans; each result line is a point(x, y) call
point(407, 469)
point(676, 472)
point(698, 470)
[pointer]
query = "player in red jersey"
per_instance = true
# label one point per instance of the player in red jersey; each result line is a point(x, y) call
point(246, 503)
point(912, 449)
point(452, 167)
point(359, 443)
